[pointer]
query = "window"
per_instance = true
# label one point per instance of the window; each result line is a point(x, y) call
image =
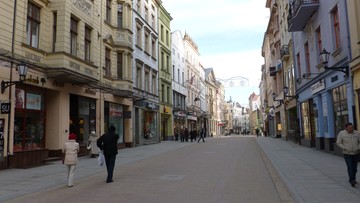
point(29, 129)
point(147, 42)
point(162, 33)
point(73, 36)
point(120, 16)
point(162, 61)
point(108, 10)
point(138, 6)
point(107, 62)
point(298, 64)
point(138, 75)
point(87, 43)
point(54, 30)
point(336, 27)
point(168, 94)
point(178, 72)
point(341, 111)
point(162, 92)
point(33, 25)
point(319, 42)
point(154, 83)
point(146, 14)
point(120, 66)
point(153, 21)
point(138, 35)
point(167, 37)
point(153, 46)
point(167, 64)
point(307, 57)
point(147, 80)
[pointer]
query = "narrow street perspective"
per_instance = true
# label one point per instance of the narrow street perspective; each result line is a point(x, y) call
point(230, 169)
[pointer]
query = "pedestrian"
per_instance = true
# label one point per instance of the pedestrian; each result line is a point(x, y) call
point(257, 132)
point(92, 145)
point(108, 143)
point(70, 151)
point(202, 135)
point(192, 135)
point(182, 136)
point(186, 133)
point(349, 141)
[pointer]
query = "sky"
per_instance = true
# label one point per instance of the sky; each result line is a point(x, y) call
point(229, 34)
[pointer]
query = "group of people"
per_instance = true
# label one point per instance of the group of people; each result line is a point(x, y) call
point(107, 143)
point(348, 140)
point(185, 135)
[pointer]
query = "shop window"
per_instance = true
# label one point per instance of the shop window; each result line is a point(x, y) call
point(150, 123)
point(114, 116)
point(82, 117)
point(29, 121)
point(341, 113)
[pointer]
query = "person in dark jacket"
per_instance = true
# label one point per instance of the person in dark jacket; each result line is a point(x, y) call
point(202, 135)
point(108, 143)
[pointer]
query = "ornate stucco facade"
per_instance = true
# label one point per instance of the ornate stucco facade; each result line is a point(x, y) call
point(79, 77)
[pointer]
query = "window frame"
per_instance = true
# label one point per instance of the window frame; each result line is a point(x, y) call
point(33, 19)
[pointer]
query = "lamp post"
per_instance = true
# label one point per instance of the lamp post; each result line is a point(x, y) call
point(274, 98)
point(324, 55)
point(22, 70)
point(286, 92)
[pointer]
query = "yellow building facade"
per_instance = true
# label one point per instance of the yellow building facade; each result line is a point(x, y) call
point(79, 77)
point(354, 28)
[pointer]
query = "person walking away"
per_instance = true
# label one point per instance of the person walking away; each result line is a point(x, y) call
point(257, 132)
point(92, 145)
point(202, 135)
point(192, 135)
point(70, 151)
point(186, 133)
point(108, 143)
point(349, 141)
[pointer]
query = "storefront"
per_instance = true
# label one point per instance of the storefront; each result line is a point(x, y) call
point(114, 116)
point(308, 123)
point(179, 123)
point(166, 123)
point(82, 119)
point(146, 123)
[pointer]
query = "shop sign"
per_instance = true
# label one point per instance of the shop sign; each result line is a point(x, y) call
point(180, 113)
point(33, 101)
point(192, 118)
point(317, 87)
point(5, 107)
point(152, 106)
point(115, 110)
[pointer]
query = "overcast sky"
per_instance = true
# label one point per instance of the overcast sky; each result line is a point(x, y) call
point(229, 34)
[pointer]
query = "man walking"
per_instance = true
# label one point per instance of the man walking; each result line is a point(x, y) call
point(349, 141)
point(202, 135)
point(108, 143)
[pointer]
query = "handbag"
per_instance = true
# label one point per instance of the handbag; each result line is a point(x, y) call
point(101, 158)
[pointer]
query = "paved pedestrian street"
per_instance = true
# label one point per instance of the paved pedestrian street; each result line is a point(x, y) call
point(227, 169)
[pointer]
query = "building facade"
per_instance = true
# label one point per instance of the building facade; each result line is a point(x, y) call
point(146, 110)
point(324, 94)
point(78, 78)
point(353, 7)
point(178, 83)
point(165, 76)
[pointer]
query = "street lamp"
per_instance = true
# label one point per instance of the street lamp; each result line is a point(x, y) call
point(274, 98)
point(324, 55)
point(22, 70)
point(286, 92)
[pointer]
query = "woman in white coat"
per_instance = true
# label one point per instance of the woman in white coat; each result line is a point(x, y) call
point(70, 150)
point(92, 144)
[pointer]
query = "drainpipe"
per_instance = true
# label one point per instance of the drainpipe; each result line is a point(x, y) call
point(10, 87)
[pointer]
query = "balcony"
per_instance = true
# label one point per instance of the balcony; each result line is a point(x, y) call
point(299, 13)
point(284, 52)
